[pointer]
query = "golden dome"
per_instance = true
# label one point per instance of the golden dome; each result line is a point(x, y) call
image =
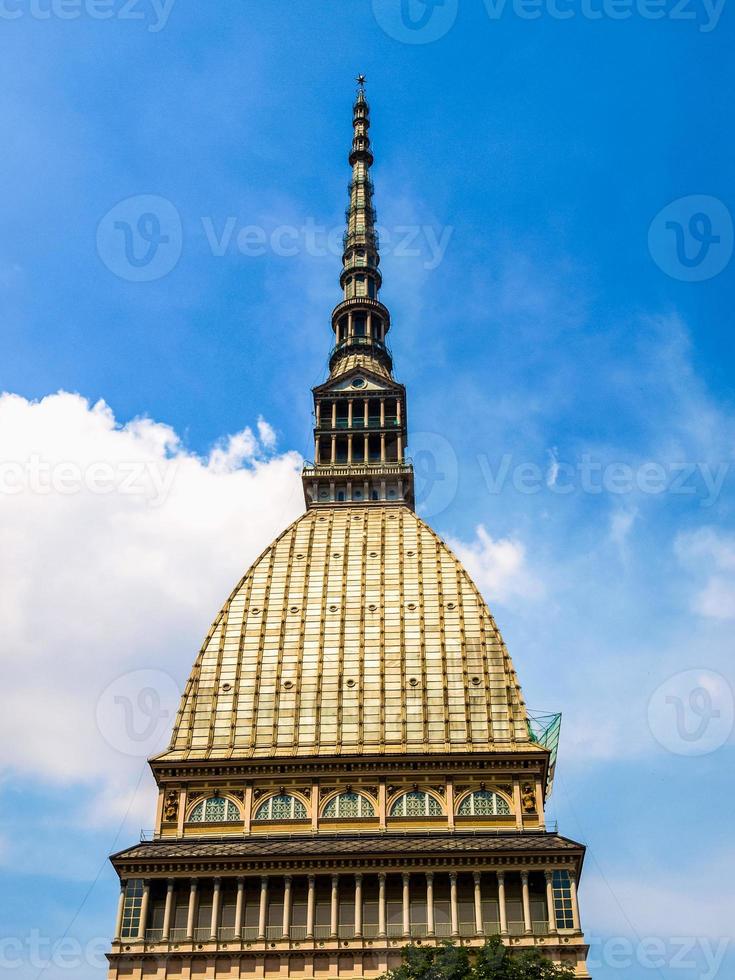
point(357, 632)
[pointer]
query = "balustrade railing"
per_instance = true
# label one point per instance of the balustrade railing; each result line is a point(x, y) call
point(394, 930)
point(358, 422)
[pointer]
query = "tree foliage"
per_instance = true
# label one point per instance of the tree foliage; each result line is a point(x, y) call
point(494, 961)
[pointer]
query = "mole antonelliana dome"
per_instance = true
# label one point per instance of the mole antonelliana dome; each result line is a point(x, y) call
point(356, 631)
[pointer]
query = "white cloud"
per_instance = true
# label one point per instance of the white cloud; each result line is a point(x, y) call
point(710, 555)
point(119, 546)
point(497, 566)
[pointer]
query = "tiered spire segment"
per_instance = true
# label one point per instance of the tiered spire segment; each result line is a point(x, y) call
point(360, 322)
point(360, 233)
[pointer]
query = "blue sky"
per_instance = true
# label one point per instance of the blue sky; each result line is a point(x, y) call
point(569, 378)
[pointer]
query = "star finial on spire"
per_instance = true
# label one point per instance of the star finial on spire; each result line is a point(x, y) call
point(361, 81)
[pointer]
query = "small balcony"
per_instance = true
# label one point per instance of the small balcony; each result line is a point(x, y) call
point(361, 345)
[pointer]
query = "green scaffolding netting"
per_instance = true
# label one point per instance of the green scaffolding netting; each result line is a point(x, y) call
point(544, 729)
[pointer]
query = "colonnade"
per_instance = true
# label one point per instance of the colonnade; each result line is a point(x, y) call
point(522, 903)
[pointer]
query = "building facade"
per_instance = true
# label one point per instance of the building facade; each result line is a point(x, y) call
point(353, 766)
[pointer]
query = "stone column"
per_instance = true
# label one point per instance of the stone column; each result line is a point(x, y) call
point(501, 904)
point(144, 909)
point(334, 415)
point(575, 903)
point(120, 910)
point(216, 898)
point(316, 449)
point(367, 449)
point(540, 805)
point(400, 447)
point(334, 911)
point(350, 408)
point(287, 883)
point(182, 813)
point(318, 414)
point(191, 913)
point(315, 806)
point(168, 909)
point(366, 412)
point(430, 903)
point(381, 906)
point(239, 906)
point(399, 419)
point(382, 413)
point(382, 447)
point(517, 804)
point(334, 450)
point(478, 903)
point(349, 449)
point(406, 904)
point(310, 906)
point(450, 804)
point(551, 912)
point(527, 925)
point(454, 907)
point(263, 909)
point(358, 905)
point(248, 804)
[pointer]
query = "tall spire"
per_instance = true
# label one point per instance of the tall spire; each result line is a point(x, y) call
point(360, 322)
point(360, 412)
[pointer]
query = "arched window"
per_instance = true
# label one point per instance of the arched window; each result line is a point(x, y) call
point(217, 809)
point(281, 808)
point(349, 805)
point(483, 804)
point(416, 804)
